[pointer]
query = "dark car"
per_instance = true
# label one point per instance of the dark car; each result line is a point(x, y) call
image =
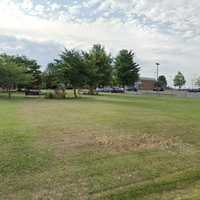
point(110, 90)
point(31, 92)
point(134, 89)
point(117, 90)
point(158, 89)
point(194, 90)
point(104, 90)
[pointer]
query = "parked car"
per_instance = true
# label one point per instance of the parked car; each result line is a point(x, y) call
point(134, 89)
point(194, 90)
point(158, 89)
point(106, 89)
point(32, 92)
point(111, 90)
point(117, 90)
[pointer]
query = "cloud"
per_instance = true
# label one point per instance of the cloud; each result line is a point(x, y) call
point(44, 52)
point(27, 4)
point(157, 30)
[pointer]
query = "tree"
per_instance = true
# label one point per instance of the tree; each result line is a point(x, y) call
point(33, 69)
point(11, 73)
point(52, 76)
point(179, 80)
point(115, 81)
point(72, 66)
point(99, 67)
point(162, 82)
point(127, 69)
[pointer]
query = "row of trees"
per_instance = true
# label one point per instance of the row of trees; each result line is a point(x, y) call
point(179, 81)
point(19, 72)
point(76, 69)
point(73, 68)
point(96, 68)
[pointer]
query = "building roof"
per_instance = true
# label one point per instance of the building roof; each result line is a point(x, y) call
point(147, 79)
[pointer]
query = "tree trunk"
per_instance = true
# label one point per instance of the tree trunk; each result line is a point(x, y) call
point(75, 93)
point(91, 92)
point(9, 93)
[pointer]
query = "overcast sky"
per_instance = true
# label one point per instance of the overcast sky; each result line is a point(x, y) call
point(165, 31)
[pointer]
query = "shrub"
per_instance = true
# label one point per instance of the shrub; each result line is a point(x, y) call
point(49, 95)
point(58, 94)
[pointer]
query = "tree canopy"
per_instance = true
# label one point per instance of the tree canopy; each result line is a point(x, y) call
point(127, 69)
point(162, 82)
point(73, 67)
point(12, 73)
point(179, 80)
point(31, 68)
point(99, 65)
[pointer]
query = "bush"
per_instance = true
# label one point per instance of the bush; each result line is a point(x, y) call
point(58, 94)
point(49, 95)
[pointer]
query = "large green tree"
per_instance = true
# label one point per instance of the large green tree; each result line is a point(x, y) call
point(127, 69)
point(162, 82)
point(73, 67)
point(53, 76)
point(179, 80)
point(99, 67)
point(12, 73)
point(33, 69)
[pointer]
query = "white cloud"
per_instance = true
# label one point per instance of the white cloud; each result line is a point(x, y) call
point(55, 6)
point(157, 30)
point(39, 9)
point(27, 4)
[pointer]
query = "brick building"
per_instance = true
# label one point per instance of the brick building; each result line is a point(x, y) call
point(146, 83)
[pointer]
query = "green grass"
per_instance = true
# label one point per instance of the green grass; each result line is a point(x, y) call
point(110, 147)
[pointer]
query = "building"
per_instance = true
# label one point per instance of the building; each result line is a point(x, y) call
point(146, 83)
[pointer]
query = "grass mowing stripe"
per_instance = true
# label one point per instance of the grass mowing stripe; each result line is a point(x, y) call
point(168, 183)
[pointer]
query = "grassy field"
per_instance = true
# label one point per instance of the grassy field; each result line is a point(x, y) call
point(112, 147)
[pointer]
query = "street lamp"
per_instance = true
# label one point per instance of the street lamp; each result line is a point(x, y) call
point(157, 64)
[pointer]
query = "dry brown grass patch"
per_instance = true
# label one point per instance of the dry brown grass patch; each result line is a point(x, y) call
point(144, 142)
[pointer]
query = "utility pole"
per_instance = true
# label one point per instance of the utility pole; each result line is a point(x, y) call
point(157, 72)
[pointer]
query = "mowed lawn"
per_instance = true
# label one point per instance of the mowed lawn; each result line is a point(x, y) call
point(112, 147)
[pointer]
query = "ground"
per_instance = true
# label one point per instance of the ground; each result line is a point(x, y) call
point(111, 147)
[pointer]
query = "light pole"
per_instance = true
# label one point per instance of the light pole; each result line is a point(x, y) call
point(157, 72)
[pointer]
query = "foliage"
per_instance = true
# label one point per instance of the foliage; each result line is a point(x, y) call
point(57, 94)
point(52, 76)
point(73, 67)
point(115, 81)
point(33, 69)
point(76, 70)
point(162, 82)
point(127, 69)
point(99, 67)
point(49, 95)
point(179, 80)
point(12, 73)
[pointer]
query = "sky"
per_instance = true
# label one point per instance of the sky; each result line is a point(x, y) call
point(164, 31)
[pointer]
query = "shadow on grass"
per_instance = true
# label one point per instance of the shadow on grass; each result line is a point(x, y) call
point(169, 183)
point(22, 96)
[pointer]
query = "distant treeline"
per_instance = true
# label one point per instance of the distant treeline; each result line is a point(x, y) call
point(73, 69)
